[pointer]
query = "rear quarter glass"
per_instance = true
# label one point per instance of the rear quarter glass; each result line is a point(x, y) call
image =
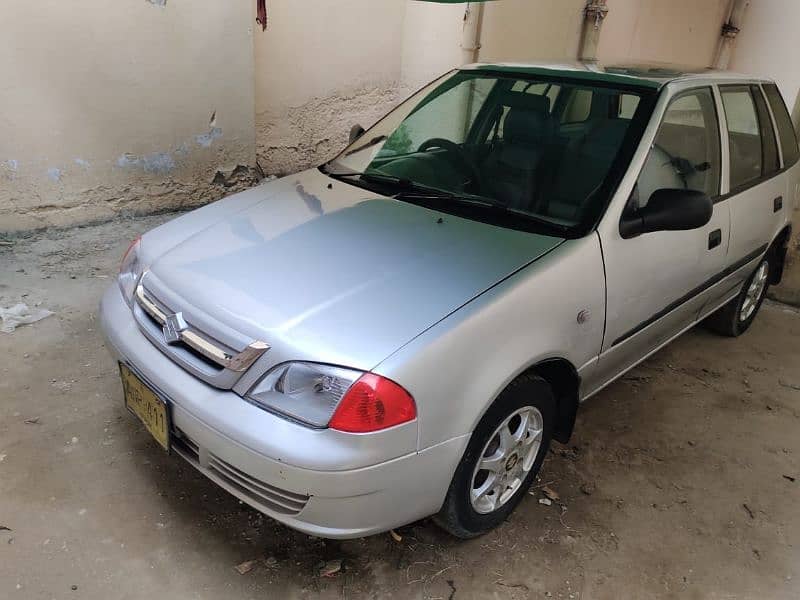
point(788, 138)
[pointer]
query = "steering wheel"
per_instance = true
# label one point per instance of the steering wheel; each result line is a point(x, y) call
point(458, 152)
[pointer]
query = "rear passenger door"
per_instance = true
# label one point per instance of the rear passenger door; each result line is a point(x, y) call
point(755, 194)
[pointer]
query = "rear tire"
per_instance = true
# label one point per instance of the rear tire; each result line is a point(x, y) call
point(736, 316)
point(510, 441)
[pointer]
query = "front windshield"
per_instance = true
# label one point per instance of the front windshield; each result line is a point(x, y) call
point(538, 148)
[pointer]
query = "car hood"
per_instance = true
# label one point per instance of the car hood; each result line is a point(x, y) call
point(336, 274)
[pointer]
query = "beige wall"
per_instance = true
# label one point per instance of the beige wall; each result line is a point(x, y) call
point(518, 30)
point(432, 36)
point(678, 31)
point(322, 66)
point(107, 106)
point(683, 32)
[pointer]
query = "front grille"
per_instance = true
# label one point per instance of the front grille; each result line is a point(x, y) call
point(205, 357)
point(258, 494)
point(190, 352)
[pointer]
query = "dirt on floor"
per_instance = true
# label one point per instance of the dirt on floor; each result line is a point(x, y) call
point(682, 479)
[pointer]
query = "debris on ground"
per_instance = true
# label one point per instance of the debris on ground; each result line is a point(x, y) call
point(20, 314)
point(587, 489)
point(790, 478)
point(519, 586)
point(749, 511)
point(245, 567)
point(4, 528)
point(330, 568)
point(33, 421)
point(551, 494)
point(271, 562)
point(787, 384)
point(545, 501)
point(399, 538)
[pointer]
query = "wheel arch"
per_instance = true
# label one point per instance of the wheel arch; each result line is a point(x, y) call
point(563, 378)
point(777, 253)
point(565, 382)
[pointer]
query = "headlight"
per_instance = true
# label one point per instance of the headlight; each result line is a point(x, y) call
point(328, 396)
point(130, 270)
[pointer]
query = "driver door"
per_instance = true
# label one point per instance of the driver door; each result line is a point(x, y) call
point(658, 282)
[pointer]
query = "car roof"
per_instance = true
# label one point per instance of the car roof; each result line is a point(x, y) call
point(652, 75)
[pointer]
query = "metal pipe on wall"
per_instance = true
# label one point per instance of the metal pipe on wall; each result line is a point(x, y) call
point(730, 30)
point(471, 40)
point(593, 16)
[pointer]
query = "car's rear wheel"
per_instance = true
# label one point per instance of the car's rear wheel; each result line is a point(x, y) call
point(503, 456)
point(736, 316)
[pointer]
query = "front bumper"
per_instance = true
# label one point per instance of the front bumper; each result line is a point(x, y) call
point(268, 462)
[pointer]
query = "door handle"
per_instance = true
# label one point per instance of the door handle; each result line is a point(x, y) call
point(777, 204)
point(714, 239)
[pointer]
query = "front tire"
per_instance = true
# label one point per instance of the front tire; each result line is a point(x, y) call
point(736, 316)
point(503, 456)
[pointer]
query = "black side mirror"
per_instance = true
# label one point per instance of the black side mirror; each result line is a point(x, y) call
point(356, 131)
point(669, 210)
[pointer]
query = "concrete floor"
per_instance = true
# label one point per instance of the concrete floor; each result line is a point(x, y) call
point(678, 482)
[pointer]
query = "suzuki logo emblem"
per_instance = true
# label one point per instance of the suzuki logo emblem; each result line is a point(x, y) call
point(173, 327)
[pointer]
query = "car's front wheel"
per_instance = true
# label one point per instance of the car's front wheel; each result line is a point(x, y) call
point(503, 456)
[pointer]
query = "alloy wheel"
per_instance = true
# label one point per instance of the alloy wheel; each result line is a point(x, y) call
point(754, 291)
point(506, 459)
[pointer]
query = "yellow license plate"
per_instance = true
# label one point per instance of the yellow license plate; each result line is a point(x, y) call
point(141, 401)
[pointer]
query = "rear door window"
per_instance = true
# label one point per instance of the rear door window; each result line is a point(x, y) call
point(786, 132)
point(744, 135)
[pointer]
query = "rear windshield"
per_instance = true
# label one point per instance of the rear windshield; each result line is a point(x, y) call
point(784, 123)
point(544, 148)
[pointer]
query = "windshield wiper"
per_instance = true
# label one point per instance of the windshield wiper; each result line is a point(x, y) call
point(482, 204)
point(418, 193)
point(398, 183)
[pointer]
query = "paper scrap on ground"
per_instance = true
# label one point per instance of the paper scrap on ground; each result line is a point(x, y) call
point(20, 314)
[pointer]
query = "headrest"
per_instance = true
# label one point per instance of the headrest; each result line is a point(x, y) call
point(528, 120)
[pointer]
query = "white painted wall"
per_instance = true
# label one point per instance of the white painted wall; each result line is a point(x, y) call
point(106, 106)
point(768, 44)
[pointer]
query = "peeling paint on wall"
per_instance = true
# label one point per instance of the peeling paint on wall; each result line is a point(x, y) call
point(307, 135)
point(62, 164)
point(8, 168)
point(159, 163)
point(206, 139)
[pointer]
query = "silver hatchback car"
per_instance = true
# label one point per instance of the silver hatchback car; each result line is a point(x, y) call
point(403, 331)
